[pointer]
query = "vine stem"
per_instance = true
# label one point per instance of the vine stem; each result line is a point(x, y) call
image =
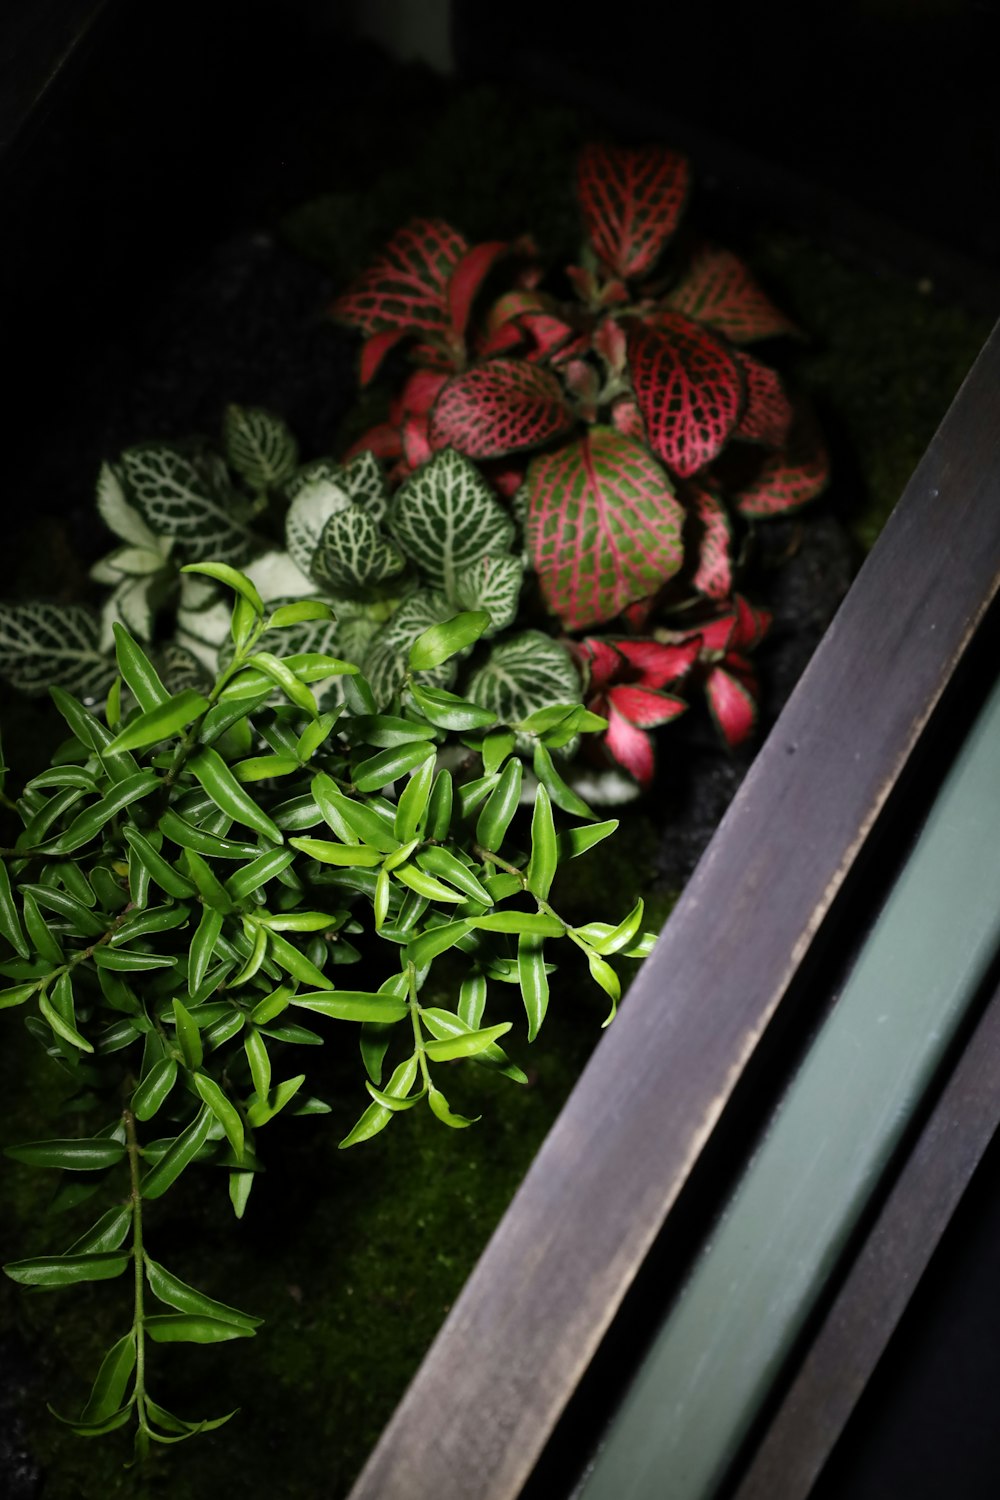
point(138, 1321)
point(418, 1038)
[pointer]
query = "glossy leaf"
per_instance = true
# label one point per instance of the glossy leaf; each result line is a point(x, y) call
point(443, 1111)
point(446, 518)
point(386, 766)
point(502, 406)
point(544, 859)
point(498, 813)
point(139, 674)
point(160, 723)
point(719, 290)
point(533, 979)
point(441, 642)
point(178, 1155)
point(447, 866)
point(69, 1155)
point(190, 1328)
point(112, 1381)
point(155, 1088)
point(66, 1270)
point(175, 1293)
point(226, 792)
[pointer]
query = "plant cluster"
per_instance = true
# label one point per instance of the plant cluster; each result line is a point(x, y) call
point(191, 872)
point(538, 550)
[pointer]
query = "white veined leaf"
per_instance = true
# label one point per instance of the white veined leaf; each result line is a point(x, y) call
point(385, 664)
point(134, 604)
point(446, 518)
point(181, 669)
point(178, 499)
point(316, 471)
point(42, 645)
point(116, 513)
point(522, 674)
point(132, 562)
point(259, 446)
point(308, 513)
point(353, 552)
point(277, 576)
point(494, 584)
point(363, 480)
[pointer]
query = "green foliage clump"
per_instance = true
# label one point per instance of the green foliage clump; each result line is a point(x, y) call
point(191, 872)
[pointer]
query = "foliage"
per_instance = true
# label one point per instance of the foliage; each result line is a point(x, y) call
point(189, 874)
point(638, 438)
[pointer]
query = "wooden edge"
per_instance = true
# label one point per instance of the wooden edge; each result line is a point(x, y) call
point(856, 1329)
point(530, 1317)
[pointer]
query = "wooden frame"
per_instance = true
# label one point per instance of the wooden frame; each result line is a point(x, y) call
point(517, 1342)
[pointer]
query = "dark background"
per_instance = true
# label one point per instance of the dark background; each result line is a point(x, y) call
point(135, 137)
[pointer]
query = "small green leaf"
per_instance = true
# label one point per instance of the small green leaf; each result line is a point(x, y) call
point(131, 960)
point(281, 673)
point(154, 1088)
point(187, 1328)
point(175, 1293)
point(544, 859)
point(179, 831)
point(260, 1061)
point(263, 1110)
point(562, 795)
point(498, 813)
point(386, 731)
point(113, 1377)
point(439, 806)
point(188, 1035)
point(441, 642)
point(295, 963)
point(386, 766)
point(604, 975)
point(259, 871)
point(227, 794)
point(95, 818)
point(447, 711)
point(17, 994)
point(69, 1155)
point(496, 747)
point(377, 1116)
point(359, 817)
point(440, 1107)
point(61, 1027)
point(533, 980)
point(338, 854)
point(10, 922)
point(160, 723)
point(472, 1000)
point(211, 890)
point(265, 767)
point(109, 1233)
point(466, 1043)
point(606, 939)
point(240, 1187)
point(66, 1270)
point(537, 923)
point(180, 1153)
point(167, 878)
point(447, 866)
point(222, 573)
point(426, 885)
point(411, 808)
point(354, 1005)
point(298, 613)
point(574, 841)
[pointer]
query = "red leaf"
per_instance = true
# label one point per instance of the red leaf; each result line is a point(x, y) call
point(500, 407)
point(631, 747)
point(406, 287)
point(468, 277)
point(507, 480)
point(601, 660)
point(502, 340)
point(720, 291)
point(603, 526)
point(658, 664)
point(420, 392)
point(768, 415)
point(383, 440)
point(733, 706)
point(632, 200)
point(511, 305)
point(689, 389)
point(751, 626)
point(643, 706)
point(609, 342)
point(714, 575)
point(789, 479)
point(416, 448)
point(374, 351)
point(582, 381)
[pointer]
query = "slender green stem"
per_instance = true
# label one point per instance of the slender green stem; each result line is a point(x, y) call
point(418, 1036)
point(138, 1323)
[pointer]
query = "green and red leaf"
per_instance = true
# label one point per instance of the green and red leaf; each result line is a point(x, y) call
point(632, 199)
point(719, 290)
point(732, 699)
point(603, 526)
point(406, 286)
point(467, 278)
point(500, 407)
point(768, 415)
point(689, 388)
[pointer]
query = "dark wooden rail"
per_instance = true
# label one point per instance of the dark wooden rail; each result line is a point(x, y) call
point(530, 1318)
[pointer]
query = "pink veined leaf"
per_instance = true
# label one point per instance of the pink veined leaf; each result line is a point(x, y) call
point(406, 286)
point(638, 615)
point(584, 283)
point(434, 357)
point(714, 574)
point(751, 625)
point(719, 290)
point(658, 664)
point(374, 351)
point(632, 200)
point(601, 661)
point(609, 342)
point(788, 479)
point(416, 447)
point(507, 480)
point(502, 340)
point(689, 389)
point(644, 706)
point(512, 304)
point(632, 748)
point(733, 704)
point(500, 407)
point(582, 381)
point(603, 526)
point(383, 440)
point(769, 413)
point(467, 278)
point(627, 417)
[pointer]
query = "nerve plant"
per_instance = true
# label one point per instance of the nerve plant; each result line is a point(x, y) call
point(187, 882)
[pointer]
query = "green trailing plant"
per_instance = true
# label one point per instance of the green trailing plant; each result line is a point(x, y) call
point(192, 876)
